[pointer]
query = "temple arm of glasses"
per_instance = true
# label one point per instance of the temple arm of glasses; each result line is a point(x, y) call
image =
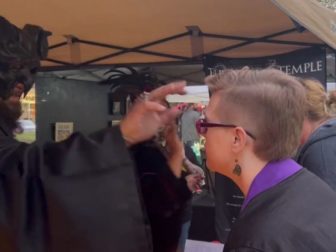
point(209, 125)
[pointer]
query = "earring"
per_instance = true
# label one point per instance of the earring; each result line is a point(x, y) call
point(237, 169)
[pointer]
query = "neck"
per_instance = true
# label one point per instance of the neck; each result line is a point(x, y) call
point(249, 170)
point(317, 124)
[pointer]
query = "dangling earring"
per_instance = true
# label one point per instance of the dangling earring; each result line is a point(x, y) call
point(237, 169)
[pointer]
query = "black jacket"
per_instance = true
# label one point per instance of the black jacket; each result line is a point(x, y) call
point(297, 215)
point(318, 154)
point(79, 195)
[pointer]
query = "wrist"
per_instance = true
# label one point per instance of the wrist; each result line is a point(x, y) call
point(175, 164)
point(129, 141)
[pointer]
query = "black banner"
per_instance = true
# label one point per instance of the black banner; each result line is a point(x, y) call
point(306, 63)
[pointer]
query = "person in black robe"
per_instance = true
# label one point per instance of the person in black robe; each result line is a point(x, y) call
point(80, 194)
point(165, 191)
point(252, 128)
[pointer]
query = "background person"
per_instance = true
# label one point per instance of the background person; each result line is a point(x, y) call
point(165, 191)
point(318, 139)
point(331, 103)
point(194, 176)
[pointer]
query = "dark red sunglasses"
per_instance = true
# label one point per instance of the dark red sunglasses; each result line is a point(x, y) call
point(202, 127)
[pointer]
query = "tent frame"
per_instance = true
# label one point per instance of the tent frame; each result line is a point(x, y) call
point(242, 41)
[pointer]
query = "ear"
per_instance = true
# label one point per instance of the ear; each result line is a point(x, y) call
point(239, 140)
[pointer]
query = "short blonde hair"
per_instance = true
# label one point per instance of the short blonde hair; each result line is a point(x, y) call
point(316, 98)
point(331, 103)
point(266, 102)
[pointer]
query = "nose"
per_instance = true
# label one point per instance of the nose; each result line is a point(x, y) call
point(19, 86)
point(18, 90)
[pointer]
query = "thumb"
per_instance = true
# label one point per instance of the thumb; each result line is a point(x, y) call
point(150, 106)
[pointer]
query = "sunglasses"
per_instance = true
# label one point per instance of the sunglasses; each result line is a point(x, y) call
point(202, 127)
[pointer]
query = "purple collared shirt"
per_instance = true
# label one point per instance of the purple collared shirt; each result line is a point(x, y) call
point(272, 174)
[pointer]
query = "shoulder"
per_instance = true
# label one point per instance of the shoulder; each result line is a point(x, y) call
point(280, 209)
point(318, 156)
point(325, 133)
point(320, 147)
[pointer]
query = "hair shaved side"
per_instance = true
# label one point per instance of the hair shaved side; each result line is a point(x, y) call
point(266, 102)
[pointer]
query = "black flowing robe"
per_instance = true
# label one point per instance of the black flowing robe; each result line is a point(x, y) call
point(81, 194)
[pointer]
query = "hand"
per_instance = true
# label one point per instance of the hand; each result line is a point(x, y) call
point(192, 168)
point(193, 182)
point(147, 116)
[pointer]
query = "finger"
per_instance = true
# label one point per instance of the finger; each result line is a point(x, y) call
point(198, 176)
point(170, 115)
point(172, 88)
point(197, 187)
point(152, 107)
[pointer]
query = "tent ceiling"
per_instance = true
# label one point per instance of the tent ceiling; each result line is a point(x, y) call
point(130, 30)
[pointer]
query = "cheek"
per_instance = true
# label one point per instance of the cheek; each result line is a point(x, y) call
point(13, 102)
point(216, 154)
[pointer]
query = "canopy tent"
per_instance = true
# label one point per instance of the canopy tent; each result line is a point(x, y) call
point(318, 19)
point(87, 32)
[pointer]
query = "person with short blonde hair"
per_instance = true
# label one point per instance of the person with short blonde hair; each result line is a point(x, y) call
point(318, 138)
point(331, 103)
point(316, 106)
point(252, 127)
point(262, 96)
point(316, 100)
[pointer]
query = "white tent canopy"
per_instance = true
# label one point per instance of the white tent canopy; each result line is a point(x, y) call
point(88, 32)
point(318, 19)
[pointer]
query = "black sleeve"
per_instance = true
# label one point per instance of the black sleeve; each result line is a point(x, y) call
point(77, 195)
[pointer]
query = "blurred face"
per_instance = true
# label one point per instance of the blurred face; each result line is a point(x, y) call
point(13, 102)
point(218, 140)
